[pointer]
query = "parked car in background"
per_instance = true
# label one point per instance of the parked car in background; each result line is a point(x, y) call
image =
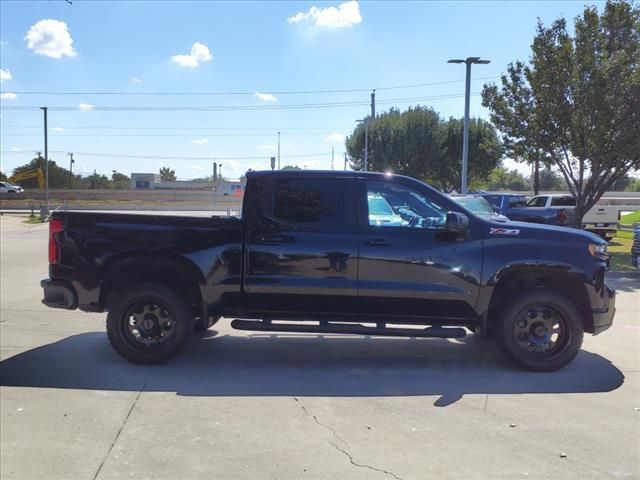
point(554, 209)
point(635, 247)
point(603, 221)
point(478, 205)
point(547, 209)
point(6, 187)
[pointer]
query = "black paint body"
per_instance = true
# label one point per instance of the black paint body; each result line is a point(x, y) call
point(261, 267)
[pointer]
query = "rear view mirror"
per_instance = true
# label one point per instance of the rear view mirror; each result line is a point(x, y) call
point(457, 222)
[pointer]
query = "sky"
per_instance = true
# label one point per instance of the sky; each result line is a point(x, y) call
point(264, 67)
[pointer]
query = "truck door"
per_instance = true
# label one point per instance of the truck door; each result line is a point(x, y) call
point(410, 266)
point(301, 248)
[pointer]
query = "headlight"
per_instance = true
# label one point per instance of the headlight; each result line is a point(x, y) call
point(600, 249)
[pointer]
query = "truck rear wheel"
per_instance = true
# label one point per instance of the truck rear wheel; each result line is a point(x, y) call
point(540, 330)
point(149, 324)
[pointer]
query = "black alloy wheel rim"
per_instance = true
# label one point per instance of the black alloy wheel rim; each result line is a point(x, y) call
point(541, 331)
point(148, 324)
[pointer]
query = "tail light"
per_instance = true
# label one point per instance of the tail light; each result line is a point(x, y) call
point(55, 226)
point(562, 216)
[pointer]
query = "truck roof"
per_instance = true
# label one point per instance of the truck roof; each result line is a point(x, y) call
point(324, 173)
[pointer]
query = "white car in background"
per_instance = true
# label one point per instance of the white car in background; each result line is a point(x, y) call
point(6, 187)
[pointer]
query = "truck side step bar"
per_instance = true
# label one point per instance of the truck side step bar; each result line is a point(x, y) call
point(345, 328)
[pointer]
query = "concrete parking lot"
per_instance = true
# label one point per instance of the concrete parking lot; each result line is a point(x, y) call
point(241, 405)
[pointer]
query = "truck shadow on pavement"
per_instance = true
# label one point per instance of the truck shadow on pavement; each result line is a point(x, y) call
point(624, 281)
point(295, 365)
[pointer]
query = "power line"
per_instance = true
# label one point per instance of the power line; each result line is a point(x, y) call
point(241, 135)
point(191, 129)
point(273, 92)
point(161, 157)
point(241, 107)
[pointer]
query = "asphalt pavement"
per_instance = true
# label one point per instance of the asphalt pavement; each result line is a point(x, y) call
point(242, 405)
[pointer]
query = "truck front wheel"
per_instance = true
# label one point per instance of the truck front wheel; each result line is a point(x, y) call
point(540, 330)
point(149, 323)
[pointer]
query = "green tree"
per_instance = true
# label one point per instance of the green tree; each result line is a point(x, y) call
point(3, 177)
point(418, 143)
point(407, 143)
point(120, 181)
point(501, 178)
point(167, 174)
point(485, 151)
point(97, 181)
point(577, 101)
point(291, 167)
point(551, 181)
point(633, 186)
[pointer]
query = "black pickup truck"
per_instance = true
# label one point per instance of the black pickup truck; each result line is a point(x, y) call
point(333, 252)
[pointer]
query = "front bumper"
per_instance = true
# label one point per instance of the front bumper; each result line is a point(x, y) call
point(59, 294)
point(603, 314)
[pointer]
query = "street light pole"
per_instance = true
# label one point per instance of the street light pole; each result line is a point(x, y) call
point(465, 137)
point(46, 162)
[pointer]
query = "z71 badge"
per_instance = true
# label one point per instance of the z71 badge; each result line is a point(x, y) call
point(504, 231)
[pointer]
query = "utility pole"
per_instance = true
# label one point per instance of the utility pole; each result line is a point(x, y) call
point(373, 104)
point(71, 162)
point(220, 170)
point(278, 150)
point(465, 139)
point(46, 162)
point(215, 171)
point(345, 161)
point(332, 156)
point(366, 145)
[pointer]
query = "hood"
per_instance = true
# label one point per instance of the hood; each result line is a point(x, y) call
point(544, 232)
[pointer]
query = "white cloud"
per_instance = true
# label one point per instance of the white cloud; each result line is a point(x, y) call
point(85, 107)
point(199, 54)
point(8, 96)
point(265, 97)
point(15, 149)
point(335, 138)
point(5, 75)
point(346, 15)
point(267, 147)
point(58, 129)
point(200, 141)
point(50, 38)
point(136, 80)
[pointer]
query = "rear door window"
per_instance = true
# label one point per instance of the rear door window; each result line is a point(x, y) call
point(537, 202)
point(563, 201)
point(311, 201)
point(517, 202)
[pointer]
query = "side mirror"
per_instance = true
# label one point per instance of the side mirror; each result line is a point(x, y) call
point(457, 222)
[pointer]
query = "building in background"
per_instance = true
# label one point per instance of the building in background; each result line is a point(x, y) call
point(145, 181)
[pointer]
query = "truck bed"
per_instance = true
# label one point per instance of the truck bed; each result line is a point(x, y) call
point(92, 243)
